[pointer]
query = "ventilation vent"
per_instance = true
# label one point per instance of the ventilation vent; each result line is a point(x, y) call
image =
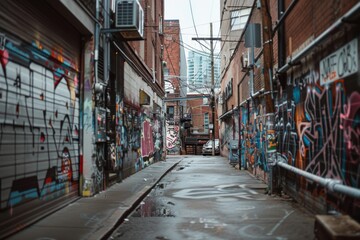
point(101, 64)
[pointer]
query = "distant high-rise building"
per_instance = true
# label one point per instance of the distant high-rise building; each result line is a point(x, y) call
point(199, 72)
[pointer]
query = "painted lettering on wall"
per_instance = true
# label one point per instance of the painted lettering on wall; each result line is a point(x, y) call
point(340, 64)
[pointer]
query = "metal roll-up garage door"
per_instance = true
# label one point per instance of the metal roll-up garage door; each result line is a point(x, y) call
point(39, 111)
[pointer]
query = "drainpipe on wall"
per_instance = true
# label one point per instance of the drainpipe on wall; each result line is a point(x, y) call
point(96, 42)
point(106, 42)
point(252, 63)
point(281, 35)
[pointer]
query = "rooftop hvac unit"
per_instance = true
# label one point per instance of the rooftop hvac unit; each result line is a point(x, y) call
point(129, 19)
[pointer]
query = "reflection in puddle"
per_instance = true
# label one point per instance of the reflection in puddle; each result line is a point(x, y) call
point(155, 205)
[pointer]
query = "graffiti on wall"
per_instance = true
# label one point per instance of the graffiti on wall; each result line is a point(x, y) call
point(173, 143)
point(350, 125)
point(147, 140)
point(319, 129)
point(158, 137)
point(254, 137)
point(243, 122)
point(117, 164)
point(285, 129)
point(131, 140)
point(91, 172)
point(39, 123)
point(229, 131)
point(140, 140)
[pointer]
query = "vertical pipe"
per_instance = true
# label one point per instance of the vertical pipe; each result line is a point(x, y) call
point(106, 12)
point(252, 63)
point(106, 41)
point(96, 41)
point(212, 89)
point(281, 35)
point(239, 144)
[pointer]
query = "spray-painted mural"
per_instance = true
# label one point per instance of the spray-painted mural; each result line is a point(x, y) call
point(173, 143)
point(157, 129)
point(39, 123)
point(147, 140)
point(319, 129)
point(140, 142)
point(118, 163)
point(253, 135)
point(131, 141)
point(92, 171)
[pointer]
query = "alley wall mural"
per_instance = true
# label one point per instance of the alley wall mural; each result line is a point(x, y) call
point(319, 128)
point(39, 123)
point(317, 120)
point(173, 142)
point(139, 138)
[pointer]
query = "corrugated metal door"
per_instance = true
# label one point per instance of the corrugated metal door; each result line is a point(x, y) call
point(39, 109)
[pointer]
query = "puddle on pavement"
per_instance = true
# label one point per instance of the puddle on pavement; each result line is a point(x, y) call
point(154, 208)
point(183, 166)
point(154, 205)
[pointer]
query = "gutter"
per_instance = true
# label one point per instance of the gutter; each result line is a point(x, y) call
point(228, 113)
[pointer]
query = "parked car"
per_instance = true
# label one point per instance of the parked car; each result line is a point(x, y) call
point(207, 147)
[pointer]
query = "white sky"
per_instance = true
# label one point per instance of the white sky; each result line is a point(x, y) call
point(204, 12)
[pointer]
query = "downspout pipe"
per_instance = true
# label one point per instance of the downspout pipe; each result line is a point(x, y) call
point(321, 37)
point(281, 33)
point(96, 41)
point(330, 184)
point(106, 41)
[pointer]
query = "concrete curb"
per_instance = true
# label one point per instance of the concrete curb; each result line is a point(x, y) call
point(120, 214)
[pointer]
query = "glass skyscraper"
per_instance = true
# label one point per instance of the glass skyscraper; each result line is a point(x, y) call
point(199, 72)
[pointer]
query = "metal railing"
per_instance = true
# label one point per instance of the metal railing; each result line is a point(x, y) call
point(331, 184)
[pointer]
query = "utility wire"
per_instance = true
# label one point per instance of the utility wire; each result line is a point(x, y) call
point(192, 16)
point(200, 53)
point(166, 48)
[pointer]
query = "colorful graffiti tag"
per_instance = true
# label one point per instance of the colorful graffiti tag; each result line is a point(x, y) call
point(173, 143)
point(39, 123)
point(319, 130)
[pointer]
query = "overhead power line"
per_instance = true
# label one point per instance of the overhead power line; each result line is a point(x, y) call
point(192, 16)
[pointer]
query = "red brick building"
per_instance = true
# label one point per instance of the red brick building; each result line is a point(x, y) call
point(291, 103)
point(201, 115)
point(174, 67)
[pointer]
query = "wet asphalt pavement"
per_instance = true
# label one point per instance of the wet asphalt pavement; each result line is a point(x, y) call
point(206, 198)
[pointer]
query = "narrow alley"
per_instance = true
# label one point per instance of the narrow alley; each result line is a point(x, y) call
point(179, 119)
point(206, 198)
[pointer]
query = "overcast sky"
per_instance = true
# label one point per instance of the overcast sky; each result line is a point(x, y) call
point(204, 12)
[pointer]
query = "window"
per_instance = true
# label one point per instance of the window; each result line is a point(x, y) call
point(205, 101)
point(206, 122)
point(235, 20)
point(244, 15)
point(170, 110)
point(166, 71)
point(239, 18)
point(231, 51)
point(161, 25)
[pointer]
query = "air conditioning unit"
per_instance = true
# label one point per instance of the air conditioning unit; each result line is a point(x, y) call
point(129, 18)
